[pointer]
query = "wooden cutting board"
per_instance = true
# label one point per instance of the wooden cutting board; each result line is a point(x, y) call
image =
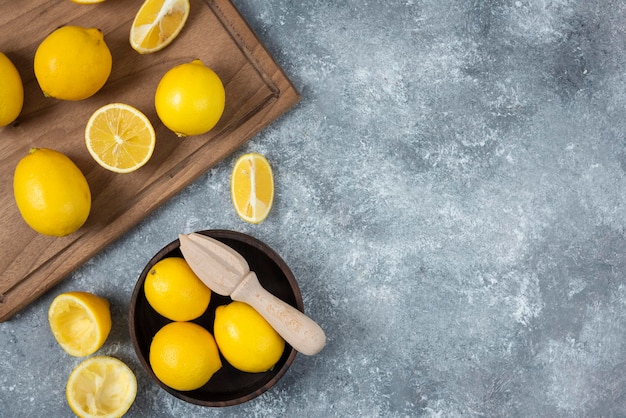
point(257, 92)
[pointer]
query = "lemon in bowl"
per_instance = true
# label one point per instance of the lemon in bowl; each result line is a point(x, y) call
point(246, 339)
point(184, 355)
point(174, 290)
point(229, 385)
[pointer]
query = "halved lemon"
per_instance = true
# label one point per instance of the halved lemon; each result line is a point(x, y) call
point(252, 187)
point(101, 386)
point(157, 24)
point(80, 322)
point(120, 138)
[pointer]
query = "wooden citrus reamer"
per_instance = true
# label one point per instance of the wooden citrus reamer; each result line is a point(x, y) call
point(227, 273)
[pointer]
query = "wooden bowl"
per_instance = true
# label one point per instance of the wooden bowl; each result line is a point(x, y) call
point(228, 386)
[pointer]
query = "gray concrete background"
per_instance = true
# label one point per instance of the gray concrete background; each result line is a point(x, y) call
point(450, 197)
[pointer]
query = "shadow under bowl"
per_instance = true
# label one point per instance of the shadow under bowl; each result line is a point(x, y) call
point(228, 386)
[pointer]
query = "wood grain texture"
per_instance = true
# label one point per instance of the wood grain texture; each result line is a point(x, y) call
point(257, 92)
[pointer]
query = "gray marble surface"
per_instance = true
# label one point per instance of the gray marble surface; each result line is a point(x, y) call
point(450, 197)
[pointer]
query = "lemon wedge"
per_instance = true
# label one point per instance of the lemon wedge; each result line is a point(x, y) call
point(120, 138)
point(80, 322)
point(101, 386)
point(252, 187)
point(157, 24)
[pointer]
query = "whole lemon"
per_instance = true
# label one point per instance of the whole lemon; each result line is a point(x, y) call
point(190, 99)
point(73, 63)
point(51, 192)
point(11, 91)
point(245, 339)
point(184, 356)
point(174, 290)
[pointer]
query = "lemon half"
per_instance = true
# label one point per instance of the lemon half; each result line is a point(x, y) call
point(80, 322)
point(101, 387)
point(120, 137)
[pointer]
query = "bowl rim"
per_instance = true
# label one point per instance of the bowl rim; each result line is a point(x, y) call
point(172, 246)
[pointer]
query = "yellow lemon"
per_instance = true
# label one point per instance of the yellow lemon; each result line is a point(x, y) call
point(174, 290)
point(51, 192)
point(100, 387)
point(190, 99)
point(184, 356)
point(120, 138)
point(252, 187)
point(245, 339)
point(73, 63)
point(11, 91)
point(157, 24)
point(80, 322)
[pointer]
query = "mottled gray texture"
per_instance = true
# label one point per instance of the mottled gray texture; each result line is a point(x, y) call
point(450, 197)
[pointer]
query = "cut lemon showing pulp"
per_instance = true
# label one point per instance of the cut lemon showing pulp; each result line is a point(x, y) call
point(157, 24)
point(80, 322)
point(252, 187)
point(101, 386)
point(120, 138)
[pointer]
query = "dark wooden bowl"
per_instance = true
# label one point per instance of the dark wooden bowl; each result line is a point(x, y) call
point(228, 386)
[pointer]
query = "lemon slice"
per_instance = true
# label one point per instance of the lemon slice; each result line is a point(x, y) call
point(101, 386)
point(120, 138)
point(252, 187)
point(80, 322)
point(157, 24)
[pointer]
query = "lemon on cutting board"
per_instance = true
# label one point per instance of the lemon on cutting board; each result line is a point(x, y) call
point(51, 192)
point(80, 322)
point(120, 137)
point(11, 91)
point(101, 387)
point(190, 99)
point(184, 356)
point(245, 339)
point(72, 63)
point(157, 24)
